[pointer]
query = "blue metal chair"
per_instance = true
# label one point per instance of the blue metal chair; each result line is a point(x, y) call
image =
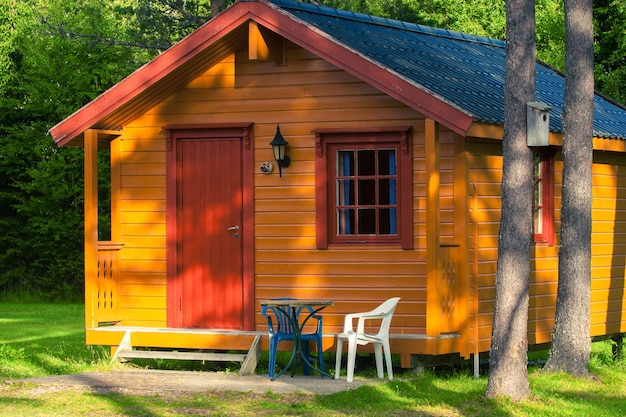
point(282, 330)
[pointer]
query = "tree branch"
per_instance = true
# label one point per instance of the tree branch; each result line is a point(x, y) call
point(94, 39)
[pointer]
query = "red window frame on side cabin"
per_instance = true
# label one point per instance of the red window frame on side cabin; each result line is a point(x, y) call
point(384, 143)
point(543, 196)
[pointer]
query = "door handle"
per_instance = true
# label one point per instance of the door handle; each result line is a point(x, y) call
point(235, 229)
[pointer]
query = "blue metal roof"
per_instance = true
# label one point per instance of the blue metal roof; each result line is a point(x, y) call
point(464, 70)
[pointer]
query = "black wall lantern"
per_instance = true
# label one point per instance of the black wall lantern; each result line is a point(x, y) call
point(279, 145)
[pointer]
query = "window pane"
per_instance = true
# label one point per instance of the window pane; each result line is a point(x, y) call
point(367, 221)
point(538, 163)
point(366, 162)
point(345, 222)
point(345, 163)
point(365, 186)
point(387, 222)
point(537, 220)
point(537, 194)
point(345, 192)
point(387, 162)
point(367, 192)
point(387, 192)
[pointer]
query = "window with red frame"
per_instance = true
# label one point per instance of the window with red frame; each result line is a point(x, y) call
point(363, 184)
point(365, 192)
point(543, 197)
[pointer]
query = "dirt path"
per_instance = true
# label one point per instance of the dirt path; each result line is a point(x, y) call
point(155, 381)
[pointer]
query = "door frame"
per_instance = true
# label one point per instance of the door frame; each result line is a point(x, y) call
point(175, 133)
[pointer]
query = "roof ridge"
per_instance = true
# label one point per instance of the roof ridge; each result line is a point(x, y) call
point(394, 23)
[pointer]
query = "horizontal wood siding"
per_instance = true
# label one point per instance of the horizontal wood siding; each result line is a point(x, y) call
point(608, 246)
point(485, 161)
point(306, 94)
point(446, 191)
point(484, 166)
point(142, 219)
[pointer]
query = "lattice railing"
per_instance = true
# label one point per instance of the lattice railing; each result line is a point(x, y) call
point(107, 303)
point(449, 286)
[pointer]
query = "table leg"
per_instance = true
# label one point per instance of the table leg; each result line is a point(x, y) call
point(302, 355)
point(297, 352)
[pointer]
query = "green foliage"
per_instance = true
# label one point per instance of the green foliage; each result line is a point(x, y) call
point(56, 56)
point(550, 32)
point(610, 48)
point(72, 59)
point(160, 24)
point(50, 73)
point(44, 218)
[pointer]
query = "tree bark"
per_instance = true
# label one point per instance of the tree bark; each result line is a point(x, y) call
point(509, 342)
point(571, 340)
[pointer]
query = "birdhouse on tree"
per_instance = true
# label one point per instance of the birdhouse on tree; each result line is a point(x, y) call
point(538, 124)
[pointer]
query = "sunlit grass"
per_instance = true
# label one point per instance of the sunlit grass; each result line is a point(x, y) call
point(46, 339)
point(41, 339)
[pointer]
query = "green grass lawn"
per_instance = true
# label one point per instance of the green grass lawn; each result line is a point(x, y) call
point(45, 339)
point(48, 339)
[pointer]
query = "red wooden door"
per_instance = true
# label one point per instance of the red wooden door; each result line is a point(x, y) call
point(209, 222)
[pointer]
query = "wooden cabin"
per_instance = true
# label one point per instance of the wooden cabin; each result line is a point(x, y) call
point(394, 133)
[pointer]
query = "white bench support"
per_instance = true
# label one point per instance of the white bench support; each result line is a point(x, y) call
point(248, 361)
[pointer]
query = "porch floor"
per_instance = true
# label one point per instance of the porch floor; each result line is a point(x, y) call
point(142, 329)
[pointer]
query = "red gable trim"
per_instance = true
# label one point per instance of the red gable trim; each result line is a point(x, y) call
point(149, 74)
point(284, 24)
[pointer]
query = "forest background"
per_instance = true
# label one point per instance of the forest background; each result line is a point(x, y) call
point(57, 55)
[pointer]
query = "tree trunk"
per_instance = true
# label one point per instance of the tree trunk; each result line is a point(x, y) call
point(509, 341)
point(571, 341)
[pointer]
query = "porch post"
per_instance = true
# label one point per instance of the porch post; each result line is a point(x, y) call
point(91, 225)
point(433, 309)
point(461, 317)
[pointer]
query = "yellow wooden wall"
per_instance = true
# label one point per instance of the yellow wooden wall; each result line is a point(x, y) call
point(608, 245)
point(608, 304)
point(485, 177)
point(305, 94)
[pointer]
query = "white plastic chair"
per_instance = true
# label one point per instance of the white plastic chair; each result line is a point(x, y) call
point(383, 312)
